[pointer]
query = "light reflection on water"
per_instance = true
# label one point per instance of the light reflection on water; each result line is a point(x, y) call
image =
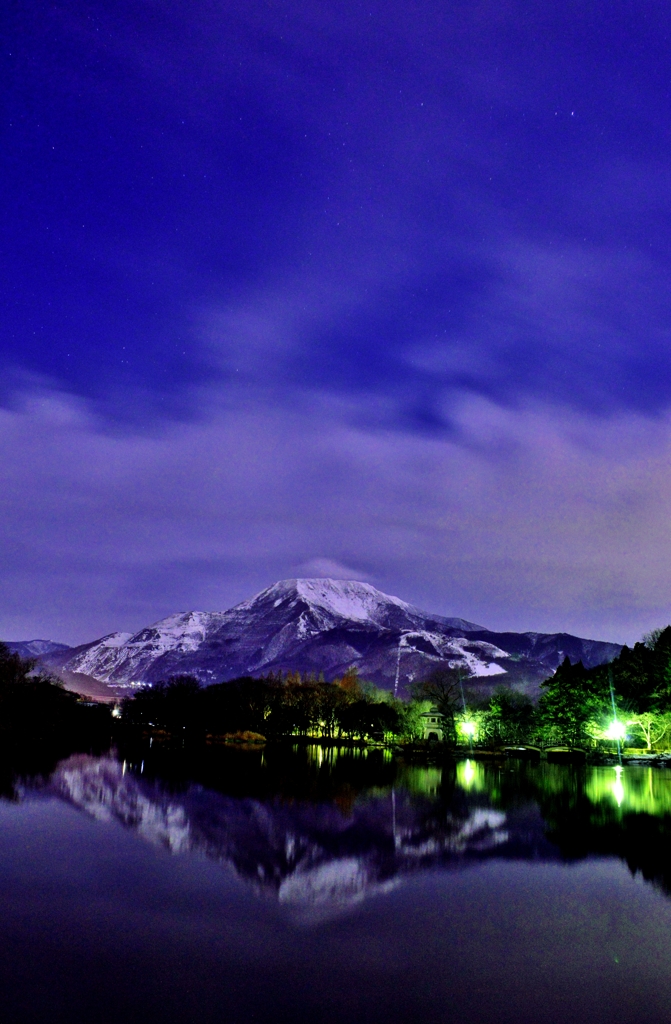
point(630, 788)
point(471, 775)
point(633, 789)
point(421, 884)
point(365, 818)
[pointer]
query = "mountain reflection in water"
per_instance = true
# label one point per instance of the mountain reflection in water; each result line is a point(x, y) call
point(323, 829)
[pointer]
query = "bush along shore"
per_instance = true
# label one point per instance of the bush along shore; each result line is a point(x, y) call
point(623, 707)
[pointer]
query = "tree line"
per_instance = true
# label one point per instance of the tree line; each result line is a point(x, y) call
point(273, 707)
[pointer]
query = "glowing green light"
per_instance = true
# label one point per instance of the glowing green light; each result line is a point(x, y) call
point(470, 775)
point(468, 728)
point(615, 731)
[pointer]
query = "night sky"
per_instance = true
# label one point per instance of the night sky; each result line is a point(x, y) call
point(376, 291)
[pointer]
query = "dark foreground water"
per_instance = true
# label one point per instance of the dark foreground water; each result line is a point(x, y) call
point(299, 886)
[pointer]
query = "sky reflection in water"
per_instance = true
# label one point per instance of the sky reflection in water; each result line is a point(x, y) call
point(308, 885)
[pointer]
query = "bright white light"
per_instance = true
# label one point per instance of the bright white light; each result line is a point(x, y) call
point(616, 730)
point(469, 728)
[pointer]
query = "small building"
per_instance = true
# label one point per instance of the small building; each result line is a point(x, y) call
point(432, 725)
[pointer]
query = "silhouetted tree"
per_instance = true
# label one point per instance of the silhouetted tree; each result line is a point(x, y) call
point(510, 716)
point(32, 702)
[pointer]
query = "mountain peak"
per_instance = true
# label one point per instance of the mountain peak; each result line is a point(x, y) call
point(346, 599)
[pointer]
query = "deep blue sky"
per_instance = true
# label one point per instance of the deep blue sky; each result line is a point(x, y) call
point(377, 290)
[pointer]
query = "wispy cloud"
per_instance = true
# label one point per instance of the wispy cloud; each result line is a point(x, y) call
point(525, 518)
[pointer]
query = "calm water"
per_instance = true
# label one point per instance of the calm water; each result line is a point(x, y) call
point(295, 886)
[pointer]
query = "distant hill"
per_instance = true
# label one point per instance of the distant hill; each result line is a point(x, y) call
point(321, 625)
point(35, 648)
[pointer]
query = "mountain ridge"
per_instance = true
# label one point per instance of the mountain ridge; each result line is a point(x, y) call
point(35, 648)
point(324, 626)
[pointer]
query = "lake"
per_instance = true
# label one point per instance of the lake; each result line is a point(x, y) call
point(295, 884)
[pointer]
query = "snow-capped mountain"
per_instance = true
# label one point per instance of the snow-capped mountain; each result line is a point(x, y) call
point(322, 625)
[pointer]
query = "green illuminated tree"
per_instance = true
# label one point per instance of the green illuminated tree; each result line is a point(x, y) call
point(653, 726)
point(572, 699)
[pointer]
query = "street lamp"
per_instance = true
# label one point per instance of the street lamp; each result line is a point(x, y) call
point(468, 730)
point(616, 731)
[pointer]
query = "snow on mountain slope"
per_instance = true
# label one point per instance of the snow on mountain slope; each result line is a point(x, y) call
point(326, 603)
point(94, 659)
point(477, 657)
point(322, 625)
point(126, 657)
